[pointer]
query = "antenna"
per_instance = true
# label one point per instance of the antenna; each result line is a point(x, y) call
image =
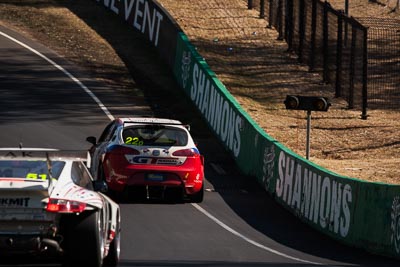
point(48, 161)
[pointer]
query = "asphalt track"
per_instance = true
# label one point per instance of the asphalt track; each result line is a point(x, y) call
point(46, 102)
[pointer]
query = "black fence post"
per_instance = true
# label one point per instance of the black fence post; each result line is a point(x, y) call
point(280, 19)
point(352, 66)
point(346, 26)
point(301, 30)
point(365, 75)
point(271, 12)
point(339, 50)
point(250, 4)
point(262, 9)
point(325, 48)
point(313, 34)
point(289, 24)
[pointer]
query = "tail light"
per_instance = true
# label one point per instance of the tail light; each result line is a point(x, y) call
point(185, 153)
point(65, 206)
point(118, 153)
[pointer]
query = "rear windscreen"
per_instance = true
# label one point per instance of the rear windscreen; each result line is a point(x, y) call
point(35, 169)
point(154, 135)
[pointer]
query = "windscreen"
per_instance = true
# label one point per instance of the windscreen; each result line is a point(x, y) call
point(30, 169)
point(154, 135)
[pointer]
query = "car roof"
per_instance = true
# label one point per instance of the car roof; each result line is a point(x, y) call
point(149, 120)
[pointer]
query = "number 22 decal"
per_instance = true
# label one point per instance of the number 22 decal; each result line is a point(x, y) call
point(133, 141)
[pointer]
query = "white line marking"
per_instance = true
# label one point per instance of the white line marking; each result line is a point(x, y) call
point(229, 229)
point(72, 77)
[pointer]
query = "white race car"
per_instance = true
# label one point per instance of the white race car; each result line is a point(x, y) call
point(50, 206)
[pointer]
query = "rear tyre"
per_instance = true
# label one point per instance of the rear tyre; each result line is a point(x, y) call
point(198, 196)
point(112, 258)
point(84, 240)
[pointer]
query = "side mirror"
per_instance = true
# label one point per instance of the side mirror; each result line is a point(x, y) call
point(92, 140)
point(100, 186)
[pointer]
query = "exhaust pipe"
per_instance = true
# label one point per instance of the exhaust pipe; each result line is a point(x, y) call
point(10, 242)
point(51, 245)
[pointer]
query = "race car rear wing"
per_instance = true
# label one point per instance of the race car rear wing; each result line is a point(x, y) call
point(15, 152)
point(187, 126)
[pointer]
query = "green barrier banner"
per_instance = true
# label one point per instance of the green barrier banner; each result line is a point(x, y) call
point(377, 218)
point(223, 114)
point(355, 212)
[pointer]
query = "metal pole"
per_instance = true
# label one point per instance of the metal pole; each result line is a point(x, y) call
point(301, 30)
point(339, 57)
point(250, 4)
point(289, 24)
point(271, 13)
point(313, 35)
point(280, 20)
point(353, 63)
point(308, 134)
point(325, 40)
point(262, 9)
point(346, 24)
point(364, 115)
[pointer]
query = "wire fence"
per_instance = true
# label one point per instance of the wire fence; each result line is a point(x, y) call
point(361, 57)
point(383, 62)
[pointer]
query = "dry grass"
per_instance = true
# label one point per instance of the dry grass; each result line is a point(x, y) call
point(251, 62)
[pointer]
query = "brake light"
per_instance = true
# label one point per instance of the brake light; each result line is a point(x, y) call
point(65, 206)
point(184, 153)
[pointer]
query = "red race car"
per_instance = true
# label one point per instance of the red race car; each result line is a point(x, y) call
point(153, 154)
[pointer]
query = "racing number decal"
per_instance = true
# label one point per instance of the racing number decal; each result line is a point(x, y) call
point(133, 141)
point(35, 176)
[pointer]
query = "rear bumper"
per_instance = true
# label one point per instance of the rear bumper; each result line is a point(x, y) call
point(190, 179)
